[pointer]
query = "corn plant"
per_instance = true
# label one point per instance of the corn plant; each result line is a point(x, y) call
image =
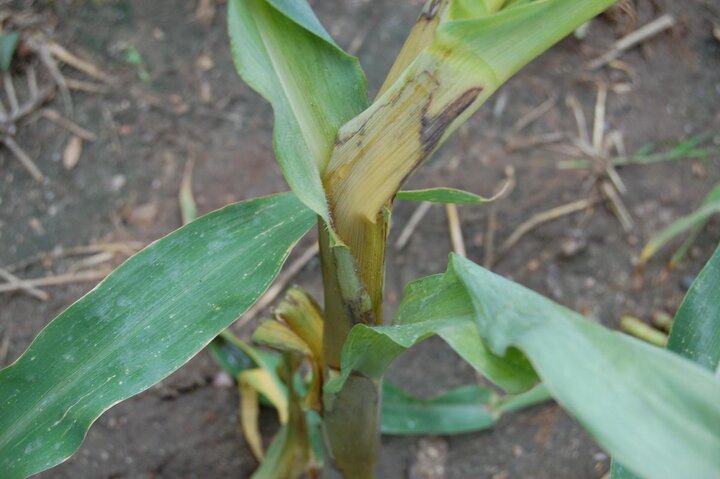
point(345, 158)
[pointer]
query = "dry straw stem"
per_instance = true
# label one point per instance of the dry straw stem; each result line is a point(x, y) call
point(55, 280)
point(643, 33)
point(24, 286)
point(127, 249)
point(542, 218)
point(24, 158)
point(534, 114)
point(415, 219)
point(10, 91)
point(617, 206)
point(456, 236)
point(55, 117)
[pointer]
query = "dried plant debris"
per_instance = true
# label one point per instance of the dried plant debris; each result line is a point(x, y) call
point(25, 45)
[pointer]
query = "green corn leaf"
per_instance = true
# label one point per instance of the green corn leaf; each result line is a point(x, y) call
point(696, 330)
point(435, 305)
point(464, 409)
point(281, 50)
point(638, 401)
point(655, 412)
point(444, 195)
point(693, 222)
point(712, 197)
point(460, 410)
point(145, 320)
point(8, 45)
point(235, 357)
point(229, 357)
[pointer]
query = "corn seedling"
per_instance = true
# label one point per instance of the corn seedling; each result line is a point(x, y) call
point(345, 158)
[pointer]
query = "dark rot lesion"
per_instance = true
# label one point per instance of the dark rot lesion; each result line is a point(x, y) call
point(432, 128)
point(431, 10)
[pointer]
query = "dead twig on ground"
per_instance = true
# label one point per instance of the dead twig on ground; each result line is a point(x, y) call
point(44, 95)
point(640, 35)
point(48, 61)
point(93, 260)
point(10, 92)
point(596, 147)
point(23, 285)
point(55, 280)
point(412, 223)
point(87, 86)
point(456, 236)
point(534, 114)
point(64, 55)
point(542, 218)
point(127, 249)
point(24, 158)
point(517, 143)
point(617, 205)
point(55, 117)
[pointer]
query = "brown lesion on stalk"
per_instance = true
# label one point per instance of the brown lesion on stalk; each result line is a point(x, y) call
point(431, 10)
point(432, 128)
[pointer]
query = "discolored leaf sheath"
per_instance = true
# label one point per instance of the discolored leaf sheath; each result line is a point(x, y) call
point(464, 61)
point(281, 50)
point(141, 323)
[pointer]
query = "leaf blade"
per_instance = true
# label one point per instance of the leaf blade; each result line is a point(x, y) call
point(141, 323)
point(638, 401)
point(281, 50)
point(445, 196)
point(696, 330)
point(693, 221)
point(461, 410)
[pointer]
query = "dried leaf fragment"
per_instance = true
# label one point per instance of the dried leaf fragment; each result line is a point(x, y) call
point(72, 152)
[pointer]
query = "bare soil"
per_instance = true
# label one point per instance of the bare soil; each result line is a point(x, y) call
point(125, 188)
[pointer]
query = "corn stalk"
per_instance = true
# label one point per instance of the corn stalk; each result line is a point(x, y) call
point(457, 54)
